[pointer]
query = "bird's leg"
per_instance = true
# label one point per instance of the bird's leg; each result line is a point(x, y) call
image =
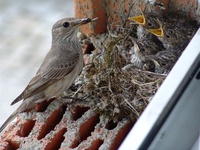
point(74, 98)
point(70, 99)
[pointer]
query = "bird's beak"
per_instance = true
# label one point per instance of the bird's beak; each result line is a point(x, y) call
point(138, 19)
point(156, 32)
point(83, 21)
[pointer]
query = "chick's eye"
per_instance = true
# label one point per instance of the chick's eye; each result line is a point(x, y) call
point(149, 24)
point(66, 24)
point(167, 36)
point(142, 50)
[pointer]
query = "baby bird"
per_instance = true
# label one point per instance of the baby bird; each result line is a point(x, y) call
point(148, 46)
point(137, 58)
point(171, 36)
point(164, 60)
point(147, 20)
point(174, 39)
point(140, 52)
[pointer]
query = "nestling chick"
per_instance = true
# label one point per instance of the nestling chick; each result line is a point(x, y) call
point(170, 35)
point(147, 20)
point(164, 60)
point(137, 58)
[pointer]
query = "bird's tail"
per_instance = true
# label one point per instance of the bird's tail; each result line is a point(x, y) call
point(28, 103)
point(12, 116)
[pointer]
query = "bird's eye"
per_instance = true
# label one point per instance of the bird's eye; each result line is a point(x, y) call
point(149, 24)
point(142, 50)
point(66, 24)
point(167, 36)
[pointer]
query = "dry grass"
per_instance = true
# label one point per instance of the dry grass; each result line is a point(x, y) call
point(117, 92)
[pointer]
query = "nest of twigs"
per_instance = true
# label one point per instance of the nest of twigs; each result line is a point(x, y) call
point(118, 93)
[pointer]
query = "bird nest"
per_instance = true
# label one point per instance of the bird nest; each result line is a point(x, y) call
point(119, 93)
point(118, 90)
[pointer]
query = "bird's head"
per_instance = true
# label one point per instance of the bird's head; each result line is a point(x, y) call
point(169, 34)
point(159, 32)
point(136, 50)
point(67, 28)
point(147, 19)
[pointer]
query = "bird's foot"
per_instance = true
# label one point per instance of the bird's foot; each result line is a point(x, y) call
point(70, 100)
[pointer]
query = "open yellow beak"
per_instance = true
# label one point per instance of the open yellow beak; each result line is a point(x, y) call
point(138, 19)
point(156, 32)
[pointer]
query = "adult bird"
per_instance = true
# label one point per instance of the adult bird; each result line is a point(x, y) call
point(62, 64)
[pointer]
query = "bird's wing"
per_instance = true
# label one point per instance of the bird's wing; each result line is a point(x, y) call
point(53, 71)
point(58, 72)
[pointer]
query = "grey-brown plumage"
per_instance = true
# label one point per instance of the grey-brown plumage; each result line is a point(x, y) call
point(148, 46)
point(61, 66)
point(173, 40)
point(137, 58)
point(141, 51)
point(171, 35)
point(165, 60)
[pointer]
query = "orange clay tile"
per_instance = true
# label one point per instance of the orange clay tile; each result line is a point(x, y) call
point(62, 127)
point(117, 10)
